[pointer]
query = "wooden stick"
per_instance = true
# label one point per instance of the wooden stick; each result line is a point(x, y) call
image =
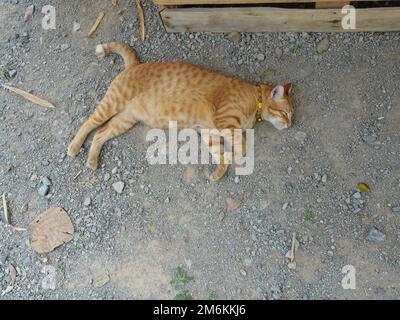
point(30, 97)
point(5, 208)
point(96, 24)
point(141, 19)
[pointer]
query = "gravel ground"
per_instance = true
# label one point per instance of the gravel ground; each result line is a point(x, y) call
point(129, 245)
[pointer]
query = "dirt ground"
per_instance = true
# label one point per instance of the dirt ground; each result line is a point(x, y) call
point(129, 245)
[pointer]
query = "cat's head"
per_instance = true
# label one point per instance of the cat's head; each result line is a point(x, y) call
point(278, 107)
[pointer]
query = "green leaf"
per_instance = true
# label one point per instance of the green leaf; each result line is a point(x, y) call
point(309, 217)
point(211, 295)
point(180, 278)
point(363, 187)
point(185, 295)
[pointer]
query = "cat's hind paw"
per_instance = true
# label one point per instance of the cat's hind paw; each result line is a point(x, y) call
point(73, 151)
point(92, 164)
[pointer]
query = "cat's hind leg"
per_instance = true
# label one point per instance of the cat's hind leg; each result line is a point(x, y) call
point(119, 124)
point(104, 111)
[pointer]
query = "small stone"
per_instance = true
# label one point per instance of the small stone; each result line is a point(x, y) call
point(369, 138)
point(87, 202)
point(167, 200)
point(106, 177)
point(396, 209)
point(278, 53)
point(76, 27)
point(237, 179)
point(101, 281)
point(3, 259)
point(118, 186)
point(300, 136)
point(43, 190)
point(323, 46)
point(243, 272)
point(233, 36)
point(357, 195)
point(45, 163)
point(64, 46)
point(292, 265)
point(357, 210)
point(12, 73)
point(114, 170)
point(46, 181)
point(375, 235)
point(247, 262)
point(260, 57)
point(285, 205)
point(324, 178)
point(49, 281)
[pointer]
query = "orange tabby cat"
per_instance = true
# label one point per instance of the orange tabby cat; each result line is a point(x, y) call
point(155, 93)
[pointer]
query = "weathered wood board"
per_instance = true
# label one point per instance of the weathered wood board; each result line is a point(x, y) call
point(268, 19)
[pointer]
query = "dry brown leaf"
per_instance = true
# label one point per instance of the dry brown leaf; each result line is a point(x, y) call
point(30, 97)
point(13, 273)
point(96, 24)
point(141, 18)
point(114, 2)
point(51, 229)
point(233, 204)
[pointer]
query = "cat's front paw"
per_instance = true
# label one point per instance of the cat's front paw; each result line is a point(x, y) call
point(92, 164)
point(73, 150)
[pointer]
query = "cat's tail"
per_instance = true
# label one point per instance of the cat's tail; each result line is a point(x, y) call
point(127, 53)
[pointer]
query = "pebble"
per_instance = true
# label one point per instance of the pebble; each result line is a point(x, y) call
point(87, 202)
point(357, 195)
point(46, 181)
point(324, 178)
point(43, 190)
point(323, 45)
point(64, 46)
point(114, 170)
point(3, 259)
point(278, 53)
point(375, 235)
point(233, 36)
point(370, 138)
point(12, 73)
point(106, 177)
point(300, 136)
point(260, 57)
point(237, 179)
point(167, 200)
point(76, 27)
point(396, 209)
point(118, 186)
point(45, 163)
point(243, 272)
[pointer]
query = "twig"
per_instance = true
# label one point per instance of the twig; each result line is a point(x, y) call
point(30, 97)
point(77, 175)
point(96, 24)
point(5, 208)
point(141, 19)
point(6, 217)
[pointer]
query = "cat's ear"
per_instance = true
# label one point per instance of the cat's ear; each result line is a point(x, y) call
point(288, 88)
point(277, 93)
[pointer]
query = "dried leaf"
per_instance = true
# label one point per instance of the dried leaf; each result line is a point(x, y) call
point(101, 280)
point(30, 97)
point(233, 204)
point(13, 273)
point(29, 12)
point(114, 2)
point(363, 187)
point(51, 229)
point(96, 24)
point(141, 18)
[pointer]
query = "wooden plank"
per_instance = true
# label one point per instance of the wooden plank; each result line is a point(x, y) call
point(218, 2)
point(330, 4)
point(266, 19)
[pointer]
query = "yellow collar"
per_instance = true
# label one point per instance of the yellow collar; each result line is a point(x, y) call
point(259, 105)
